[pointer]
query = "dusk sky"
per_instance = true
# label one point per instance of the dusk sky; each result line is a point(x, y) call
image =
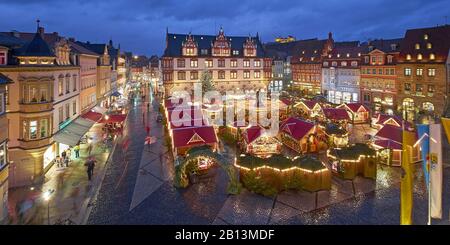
point(139, 26)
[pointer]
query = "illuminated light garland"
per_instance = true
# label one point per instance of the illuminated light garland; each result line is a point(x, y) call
point(349, 160)
point(281, 170)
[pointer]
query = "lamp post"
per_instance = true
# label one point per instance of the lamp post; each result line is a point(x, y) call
point(46, 196)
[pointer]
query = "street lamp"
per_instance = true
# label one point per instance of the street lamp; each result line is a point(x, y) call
point(46, 196)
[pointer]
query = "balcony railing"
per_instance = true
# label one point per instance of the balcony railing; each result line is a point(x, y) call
point(36, 107)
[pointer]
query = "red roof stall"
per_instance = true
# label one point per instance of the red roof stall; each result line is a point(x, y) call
point(383, 119)
point(336, 114)
point(115, 118)
point(310, 107)
point(258, 143)
point(93, 116)
point(359, 113)
point(388, 141)
point(185, 138)
point(298, 135)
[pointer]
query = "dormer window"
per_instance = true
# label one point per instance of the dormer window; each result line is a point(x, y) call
point(389, 58)
point(408, 57)
point(334, 63)
point(189, 46)
point(221, 46)
point(301, 59)
point(419, 56)
point(348, 55)
point(204, 51)
point(393, 47)
point(366, 59)
point(359, 54)
point(235, 52)
point(312, 58)
point(249, 47)
point(3, 57)
point(425, 37)
point(315, 51)
point(344, 63)
point(303, 52)
point(338, 55)
point(417, 46)
point(329, 56)
point(429, 46)
point(432, 56)
point(325, 63)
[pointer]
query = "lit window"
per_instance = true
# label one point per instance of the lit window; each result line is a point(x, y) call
point(194, 75)
point(407, 71)
point(348, 55)
point(221, 75)
point(432, 57)
point(33, 129)
point(181, 75)
point(366, 59)
point(325, 63)
point(233, 74)
point(338, 55)
point(334, 63)
point(408, 57)
point(246, 63)
point(419, 71)
point(194, 63)
point(257, 74)
point(233, 63)
point(246, 74)
point(419, 56)
point(431, 72)
point(43, 128)
point(208, 63)
point(417, 46)
point(389, 59)
point(425, 37)
point(344, 63)
point(257, 63)
point(429, 46)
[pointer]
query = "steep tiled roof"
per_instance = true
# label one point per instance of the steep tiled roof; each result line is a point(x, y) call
point(384, 45)
point(304, 50)
point(174, 44)
point(37, 47)
point(184, 137)
point(98, 48)
point(77, 48)
point(438, 37)
point(296, 128)
point(336, 114)
point(252, 133)
point(10, 40)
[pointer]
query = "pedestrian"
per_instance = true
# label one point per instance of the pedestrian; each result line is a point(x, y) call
point(90, 163)
point(69, 153)
point(77, 150)
point(66, 161)
point(63, 155)
point(143, 117)
point(148, 106)
point(58, 161)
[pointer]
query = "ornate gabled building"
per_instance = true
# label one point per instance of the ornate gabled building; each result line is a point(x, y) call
point(423, 72)
point(235, 62)
point(42, 99)
point(379, 85)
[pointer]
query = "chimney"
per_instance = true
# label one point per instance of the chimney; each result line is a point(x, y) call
point(41, 30)
point(330, 35)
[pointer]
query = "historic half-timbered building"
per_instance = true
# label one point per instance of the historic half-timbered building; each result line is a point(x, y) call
point(236, 63)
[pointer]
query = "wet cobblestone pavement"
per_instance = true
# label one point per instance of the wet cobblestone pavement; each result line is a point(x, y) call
point(362, 201)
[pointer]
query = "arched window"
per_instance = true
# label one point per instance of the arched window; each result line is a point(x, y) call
point(432, 56)
point(417, 46)
point(429, 46)
point(419, 56)
point(408, 57)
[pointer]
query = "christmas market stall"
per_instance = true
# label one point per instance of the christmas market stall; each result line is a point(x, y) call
point(336, 115)
point(388, 141)
point(259, 143)
point(269, 176)
point(336, 135)
point(301, 136)
point(383, 119)
point(358, 112)
point(309, 108)
point(357, 159)
point(236, 128)
point(187, 137)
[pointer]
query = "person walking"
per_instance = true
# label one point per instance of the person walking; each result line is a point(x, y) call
point(76, 149)
point(66, 161)
point(58, 161)
point(90, 163)
point(89, 148)
point(63, 155)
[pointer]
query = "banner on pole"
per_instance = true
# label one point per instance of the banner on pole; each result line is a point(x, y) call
point(436, 171)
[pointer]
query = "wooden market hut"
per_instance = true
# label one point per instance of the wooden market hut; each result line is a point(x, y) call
point(282, 173)
point(185, 138)
point(358, 112)
point(310, 108)
point(388, 141)
point(336, 115)
point(336, 135)
point(299, 135)
point(383, 119)
point(258, 143)
point(357, 159)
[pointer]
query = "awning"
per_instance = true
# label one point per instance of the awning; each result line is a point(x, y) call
point(72, 133)
point(116, 94)
point(116, 118)
point(92, 116)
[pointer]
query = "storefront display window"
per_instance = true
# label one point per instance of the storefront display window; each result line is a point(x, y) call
point(2, 154)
